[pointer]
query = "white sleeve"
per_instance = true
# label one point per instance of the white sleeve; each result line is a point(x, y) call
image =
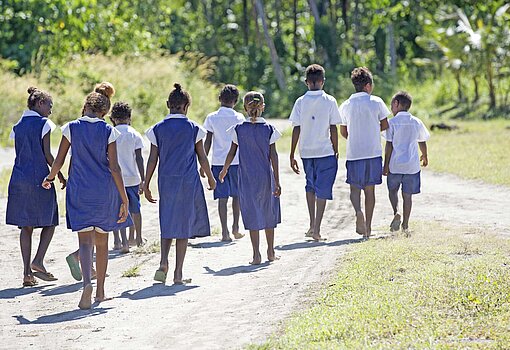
point(12, 135)
point(49, 126)
point(388, 133)
point(151, 136)
point(423, 133)
point(275, 135)
point(201, 133)
point(384, 112)
point(208, 124)
point(334, 114)
point(343, 117)
point(114, 135)
point(233, 134)
point(139, 142)
point(295, 115)
point(66, 132)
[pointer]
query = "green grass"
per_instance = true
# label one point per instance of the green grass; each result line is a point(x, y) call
point(133, 271)
point(444, 288)
point(149, 248)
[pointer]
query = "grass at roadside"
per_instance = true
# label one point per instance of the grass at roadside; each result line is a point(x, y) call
point(442, 288)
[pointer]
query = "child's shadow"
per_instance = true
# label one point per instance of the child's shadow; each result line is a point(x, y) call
point(63, 316)
point(313, 244)
point(71, 288)
point(156, 290)
point(229, 271)
point(210, 244)
point(11, 293)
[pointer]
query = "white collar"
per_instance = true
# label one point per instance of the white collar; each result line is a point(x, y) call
point(30, 113)
point(176, 116)
point(314, 92)
point(259, 120)
point(226, 109)
point(359, 94)
point(86, 118)
point(402, 114)
point(122, 126)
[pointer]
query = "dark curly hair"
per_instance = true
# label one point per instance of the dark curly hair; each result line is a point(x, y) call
point(315, 73)
point(178, 97)
point(360, 77)
point(121, 111)
point(98, 101)
point(229, 94)
point(35, 96)
point(404, 99)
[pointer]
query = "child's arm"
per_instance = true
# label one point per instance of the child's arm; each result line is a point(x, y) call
point(204, 164)
point(333, 134)
point(295, 138)
point(139, 164)
point(116, 172)
point(424, 159)
point(387, 155)
point(207, 147)
point(151, 167)
point(343, 131)
point(273, 155)
point(384, 124)
point(58, 162)
point(230, 157)
point(50, 159)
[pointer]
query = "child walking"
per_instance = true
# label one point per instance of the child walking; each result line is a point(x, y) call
point(364, 116)
point(129, 152)
point(216, 125)
point(28, 205)
point(314, 118)
point(93, 203)
point(259, 181)
point(401, 161)
point(176, 142)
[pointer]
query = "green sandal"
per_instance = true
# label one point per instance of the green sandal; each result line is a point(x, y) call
point(74, 266)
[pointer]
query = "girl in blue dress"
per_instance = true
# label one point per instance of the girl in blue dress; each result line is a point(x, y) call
point(259, 183)
point(177, 142)
point(93, 203)
point(29, 206)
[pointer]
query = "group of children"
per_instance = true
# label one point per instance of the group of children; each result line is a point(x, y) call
point(107, 175)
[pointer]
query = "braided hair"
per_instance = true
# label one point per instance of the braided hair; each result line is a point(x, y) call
point(254, 105)
point(35, 96)
point(98, 101)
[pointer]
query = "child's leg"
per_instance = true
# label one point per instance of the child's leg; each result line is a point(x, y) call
point(165, 249)
point(86, 241)
point(254, 236)
point(132, 230)
point(116, 240)
point(124, 241)
point(236, 210)
point(181, 246)
point(101, 240)
point(355, 197)
point(25, 241)
point(395, 223)
point(271, 256)
point(222, 211)
point(408, 203)
point(310, 202)
point(321, 206)
point(369, 207)
point(137, 220)
point(44, 243)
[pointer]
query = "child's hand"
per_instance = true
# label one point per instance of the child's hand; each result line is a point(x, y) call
point(123, 213)
point(140, 188)
point(47, 184)
point(148, 194)
point(294, 165)
point(223, 173)
point(424, 160)
point(212, 183)
point(386, 170)
point(277, 191)
point(202, 173)
point(63, 181)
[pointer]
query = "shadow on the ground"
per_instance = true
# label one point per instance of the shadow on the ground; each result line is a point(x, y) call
point(313, 244)
point(210, 244)
point(10, 293)
point(70, 288)
point(156, 290)
point(63, 316)
point(229, 271)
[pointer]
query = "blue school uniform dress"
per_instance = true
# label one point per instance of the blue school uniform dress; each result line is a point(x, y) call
point(28, 203)
point(92, 198)
point(260, 209)
point(182, 207)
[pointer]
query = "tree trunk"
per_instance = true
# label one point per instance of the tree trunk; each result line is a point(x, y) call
point(345, 8)
point(278, 71)
point(295, 36)
point(277, 6)
point(477, 95)
point(257, 27)
point(460, 96)
point(317, 18)
point(356, 26)
point(246, 23)
point(392, 50)
point(490, 80)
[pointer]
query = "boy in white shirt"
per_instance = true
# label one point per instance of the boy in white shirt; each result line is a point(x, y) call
point(216, 125)
point(401, 162)
point(314, 118)
point(364, 116)
point(129, 153)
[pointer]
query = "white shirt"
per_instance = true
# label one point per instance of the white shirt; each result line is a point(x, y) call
point(404, 133)
point(66, 130)
point(129, 141)
point(218, 123)
point(362, 114)
point(274, 136)
point(49, 126)
point(314, 113)
point(152, 137)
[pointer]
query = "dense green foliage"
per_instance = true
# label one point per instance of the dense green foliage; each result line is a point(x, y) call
point(266, 44)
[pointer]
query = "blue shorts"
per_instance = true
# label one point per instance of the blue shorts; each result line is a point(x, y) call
point(134, 199)
point(320, 175)
point(410, 182)
point(229, 187)
point(364, 172)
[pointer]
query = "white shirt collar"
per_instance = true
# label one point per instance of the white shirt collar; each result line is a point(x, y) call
point(226, 109)
point(122, 126)
point(178, 116)
point(86, 118)
point(30, 113)
point(403, 114)
point(259, 120)
point(314, 92)
point(359, 94)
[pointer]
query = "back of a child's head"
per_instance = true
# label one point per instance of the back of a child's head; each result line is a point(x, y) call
point(98, 101)
point(229, 94)
point(35, 96)
point(253, 104)
point(121, 112)
point(404, 99)
point(315, 73)
point(360, 77)
point(178, 98)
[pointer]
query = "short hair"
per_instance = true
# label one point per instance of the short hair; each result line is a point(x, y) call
point(35, 95)
point(98, 101)
point(404, 99)
point(315, 73)
point(253, 104)
point(121, 111)
point(360, 77)
point(178, 97)
point(229, 94)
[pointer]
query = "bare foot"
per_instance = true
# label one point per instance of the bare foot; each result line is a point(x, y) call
point(316, 237)
point(140, 242)
point(116, 246)
point(124, 249)
point(86, 298)
point(100, 299)
point(257, 260)
point(132, 243)
point(29, 281)
point(238, 235)
point(360, 224)
point(309, 233)
point(182, 281)
point(395, 223)
point(271, 256)
point(226, 239)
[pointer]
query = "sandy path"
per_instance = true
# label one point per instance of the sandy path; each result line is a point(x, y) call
point(230, 303)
